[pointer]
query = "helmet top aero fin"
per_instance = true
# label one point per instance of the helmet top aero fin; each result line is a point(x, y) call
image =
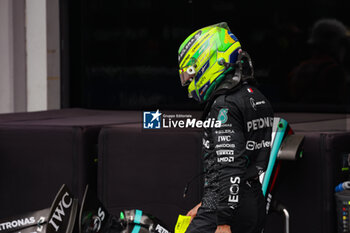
point(203, 57)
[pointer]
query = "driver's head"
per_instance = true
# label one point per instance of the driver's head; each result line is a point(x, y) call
point(202, 58)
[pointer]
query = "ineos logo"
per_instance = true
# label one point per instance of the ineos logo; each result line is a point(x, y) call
point(234, 190)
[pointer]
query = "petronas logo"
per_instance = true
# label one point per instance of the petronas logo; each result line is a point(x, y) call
point(222, 117)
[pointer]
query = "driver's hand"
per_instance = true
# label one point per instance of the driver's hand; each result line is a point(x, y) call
point(193, 212)
point(223, 229)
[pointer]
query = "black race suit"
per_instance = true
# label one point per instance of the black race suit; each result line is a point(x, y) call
point(234, 156)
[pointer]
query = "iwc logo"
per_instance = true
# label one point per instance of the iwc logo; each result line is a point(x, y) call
point(222, 116)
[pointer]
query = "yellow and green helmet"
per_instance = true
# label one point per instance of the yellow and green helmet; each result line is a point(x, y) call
point(202, 57)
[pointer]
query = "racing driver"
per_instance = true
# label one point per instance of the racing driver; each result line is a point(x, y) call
point(218, 72)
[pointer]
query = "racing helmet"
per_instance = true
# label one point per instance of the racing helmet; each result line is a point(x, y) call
point(205, 57)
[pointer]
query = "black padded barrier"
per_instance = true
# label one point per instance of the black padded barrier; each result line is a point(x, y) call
point(49, 114)
point(149, 169)
point(40, 151)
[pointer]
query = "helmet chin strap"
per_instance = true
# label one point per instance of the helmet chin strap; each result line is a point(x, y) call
point(243, 71)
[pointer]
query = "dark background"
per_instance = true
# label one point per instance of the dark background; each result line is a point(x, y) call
point(123, 54)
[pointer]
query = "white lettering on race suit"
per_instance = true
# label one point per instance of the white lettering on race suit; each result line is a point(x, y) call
point(17, 223)
point(60, 211)
point(260, 102)
point(230, 159)
point(260, 123)
point(161, 229)
point(225, 152)
point(234, 190)
point(225, 146)
point(251, 145)
point(225, 131)
point(256, 103)
point(206, 143)
point(224, 138)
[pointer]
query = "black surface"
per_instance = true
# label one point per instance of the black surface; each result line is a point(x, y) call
point(149, 169)
point(123, 54)
point(40, 151)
